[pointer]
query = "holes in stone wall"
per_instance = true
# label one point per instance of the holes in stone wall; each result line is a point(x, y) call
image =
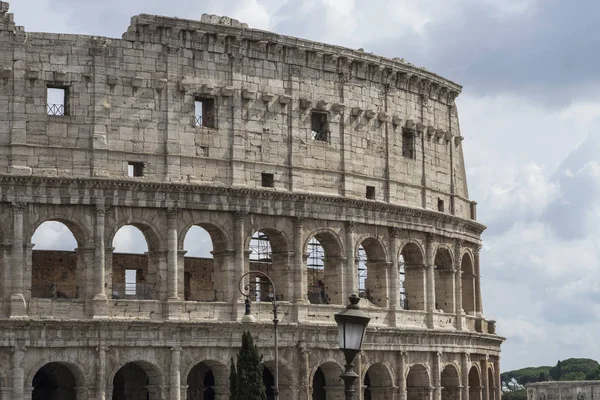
point(204, 112)
point(408, 144)
point(267, 180)
point(135, 169)
point(440, 205)
point(319, 126)
point(57, 100)
point(371, 192)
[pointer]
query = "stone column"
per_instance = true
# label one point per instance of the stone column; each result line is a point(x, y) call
point(437, 376)
point(394, 284)
point(478, 305)
point(460, 319)
point(484, 378)
point(402, 375)
point(464, 372)
point(175, 374)
point(100, 298)
point(18, 308)
point(18, 374)
point(172, 216)
point(221, 392)
point(429, 264)
point(300, 273)
point(240, 260)
point(101, 372)
point(223, 275)
point(183, 391)
point(498, 388)
point(349, 278)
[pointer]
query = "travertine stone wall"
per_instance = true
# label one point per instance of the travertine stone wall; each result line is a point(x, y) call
point(131, 101)
point(572, 390)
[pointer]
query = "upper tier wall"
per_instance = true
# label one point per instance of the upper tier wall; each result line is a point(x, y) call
point(390, 126)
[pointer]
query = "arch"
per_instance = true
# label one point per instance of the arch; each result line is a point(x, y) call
point(491, 384)
point(444, 280)
point(136, 378)
point(324, 261)
point(57, 272)
point(269, 253)
point(468, 284)
point(378, 382)
point(203, 278)
point(450, 381)
point(216, 232)
point(77, 229)
point(206, 380)
point(56, 380)
point(417, 383)
point(372, 270)
point(286, 379)
point(153, 237)
point(325, 379)
point(414, 275)
point(475, 389)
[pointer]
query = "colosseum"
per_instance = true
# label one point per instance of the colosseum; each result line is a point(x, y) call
point(334, 170)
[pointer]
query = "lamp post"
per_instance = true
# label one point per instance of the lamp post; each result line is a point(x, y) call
point(247, 290)
point(352, 325)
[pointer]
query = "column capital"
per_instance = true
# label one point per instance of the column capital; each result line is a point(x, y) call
point(477, 250)
point(102, 348)
point(299, 222)
point(18, 207)
point(430, 236)
point(350, 226)
point(175, 348)
point(240, 215)
point(101, 209)
point(394, 232)
point(173, 212)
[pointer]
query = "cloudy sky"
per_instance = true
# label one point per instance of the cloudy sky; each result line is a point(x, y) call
point(530, 113)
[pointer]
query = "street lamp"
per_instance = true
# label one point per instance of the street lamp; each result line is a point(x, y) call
point(352, 325)
point(247, 290)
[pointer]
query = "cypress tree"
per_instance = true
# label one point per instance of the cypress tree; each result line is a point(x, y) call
point(232, 381)
point(249, 371)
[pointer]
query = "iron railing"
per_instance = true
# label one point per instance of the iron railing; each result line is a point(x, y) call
point(198, 120)
point(132, 291)
point(56, 109)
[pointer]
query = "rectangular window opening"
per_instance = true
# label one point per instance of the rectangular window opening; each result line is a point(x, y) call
point(135, 169)
point(57, 101)
point(408, 144)
point(371, 192)
point(440, 205)
point(268, 180)
point(204, 112)
point(130, 282)
point(319, 126)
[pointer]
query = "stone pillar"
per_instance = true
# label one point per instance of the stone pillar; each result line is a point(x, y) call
point(221, 392)
point(283, 275)
point(27, 270)
point(18, 373)
point(100, 298)
point(478, 305)
point(183, 391)
point(172, 270)
point(464, 372)
point(349, 278)
point(304, 383)
point(101, 373)
point(223, 275)
point(429, 264)
point(498, 388)
point(240, 260)
point(18, 308)
point(175, 374)
point(437, 376)
point(460, 319)
point(484, 378)
point(332, 276)
point(394, 283)
point(402, 375)
point(300, 273)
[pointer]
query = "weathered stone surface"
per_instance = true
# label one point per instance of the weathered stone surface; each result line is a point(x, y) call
point(366, 171)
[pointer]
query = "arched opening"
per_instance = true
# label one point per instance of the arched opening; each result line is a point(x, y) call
point(269, 382)
point(372, 272)
point(269, 254)
point(417, 383)
point(201, 383)
point(326, 383)
point(285, 380)
point(54, 381)
point(402, 283)
point(199, 266)
point(468, 284)
point(134, 267)
point(444, 281)
point(474, 384)
point(415, 278)
point(324, 264)
point(136, 381)
point(56, 263)
point(491, 385)
point(377, 383)
point(450, 383)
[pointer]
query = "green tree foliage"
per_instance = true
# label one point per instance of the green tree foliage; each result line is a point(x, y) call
point(232, 381)
point(249, 371)
point(520, 394)
point(572, 369)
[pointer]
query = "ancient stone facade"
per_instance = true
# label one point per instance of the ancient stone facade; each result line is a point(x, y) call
point(211, 123)
point(563, 390)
